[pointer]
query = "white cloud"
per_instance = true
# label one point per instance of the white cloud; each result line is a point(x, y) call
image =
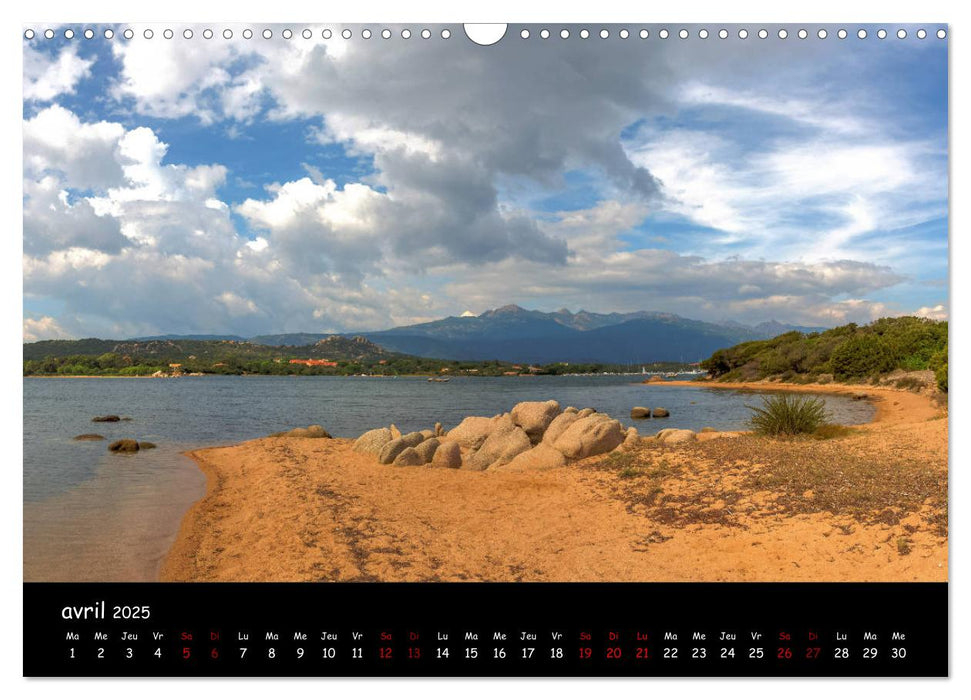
point(938, 312)
point(43, 328)
point(84, 154)
point(47, 77)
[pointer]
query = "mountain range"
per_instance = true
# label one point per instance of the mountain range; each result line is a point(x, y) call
point(512, 333)
point(509, 333)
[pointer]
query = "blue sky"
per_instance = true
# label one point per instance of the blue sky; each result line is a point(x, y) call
point(310, 184)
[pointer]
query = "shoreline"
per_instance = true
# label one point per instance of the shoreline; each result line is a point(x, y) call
point(302, 509)
point(891, 406)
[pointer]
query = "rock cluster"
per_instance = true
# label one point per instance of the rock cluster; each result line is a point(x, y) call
point(533, 435)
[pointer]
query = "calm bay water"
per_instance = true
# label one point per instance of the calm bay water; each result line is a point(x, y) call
point(90, 515)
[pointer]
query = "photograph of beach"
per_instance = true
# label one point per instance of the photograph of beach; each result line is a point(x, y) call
point(362, 303)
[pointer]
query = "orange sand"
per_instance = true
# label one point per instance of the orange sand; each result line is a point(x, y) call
point(293, 509)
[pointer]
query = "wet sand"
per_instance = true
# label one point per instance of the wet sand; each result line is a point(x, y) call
point(292, 509)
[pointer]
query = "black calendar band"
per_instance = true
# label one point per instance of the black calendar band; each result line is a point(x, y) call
point(486, 629)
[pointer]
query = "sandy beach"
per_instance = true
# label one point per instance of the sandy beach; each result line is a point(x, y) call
point(868, 505)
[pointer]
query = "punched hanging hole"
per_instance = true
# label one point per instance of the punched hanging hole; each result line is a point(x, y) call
point(29, 34)
point(405, 33)
point(129, 34)
point(207, 34)
point(346, 33)
point(365, 33)
point(187, 34)
point(841, 34)
point(68, 33)
point(168, 34)
point(584, 33)
point(89, 34)
point(227, 33)
point(524, 34)
point(763, 33)
point(306, 33)
point(426, 34)
point(802, 34)
point(821, 33)
point(604, 33)
point(544, 34)
point(482, 34)
point(247, 33)
point(743, 33)
point(901, 33)
point(644, 34)
point(49, 34)
point(663, 33)
point(941, 34)
point(564, 33)
point(148, 34)
point(921, 34)
point(702, 33)
point(109, 33)
point(624, 33)
point(881, 33)
point(385, 33)
point(447, 33)
point(722, 33)
point(327, 34)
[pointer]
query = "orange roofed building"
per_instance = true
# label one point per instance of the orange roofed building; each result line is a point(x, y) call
point(314, 363)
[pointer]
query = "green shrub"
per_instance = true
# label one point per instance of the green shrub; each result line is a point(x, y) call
point(787, 414)
point(938, 363)
point(940, 374)
point(862, 356)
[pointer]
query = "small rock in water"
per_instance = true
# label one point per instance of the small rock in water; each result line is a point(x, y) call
point(439, 430)
point(640, 412)
point(395, 433)
point(89, 436)
point(661, 413)
point(145, 445)
point(125, 445)
point(106, 419)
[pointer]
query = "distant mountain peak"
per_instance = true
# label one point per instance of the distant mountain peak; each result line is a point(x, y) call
point(507, 309)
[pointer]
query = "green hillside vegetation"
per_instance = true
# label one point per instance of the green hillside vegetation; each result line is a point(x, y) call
point(356, 355)
point(844, 354)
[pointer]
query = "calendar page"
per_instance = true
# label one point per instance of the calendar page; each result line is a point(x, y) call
point(485, 350)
